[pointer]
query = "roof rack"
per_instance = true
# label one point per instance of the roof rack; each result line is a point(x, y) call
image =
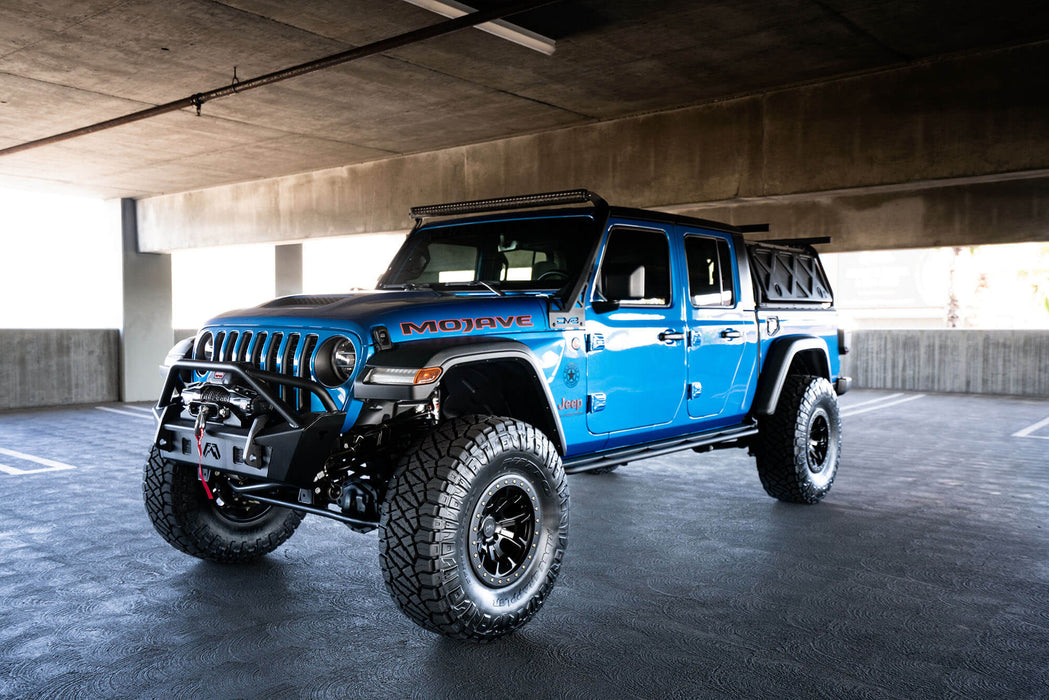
point(525, 201)
point(797, 242)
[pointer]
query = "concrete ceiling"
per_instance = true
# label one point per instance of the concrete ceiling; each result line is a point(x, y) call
point(69, 63)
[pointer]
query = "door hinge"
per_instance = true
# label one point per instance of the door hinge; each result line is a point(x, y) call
point(595, 342)
point(595, 403)
point(695, 389)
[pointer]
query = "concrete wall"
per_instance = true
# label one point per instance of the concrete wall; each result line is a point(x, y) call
point(965, 361)
point(58, 367)
point(945, 123)
point(68, 367)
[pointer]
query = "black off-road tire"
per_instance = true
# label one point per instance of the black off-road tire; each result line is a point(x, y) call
point(470, 482)
point(799, 446)
point(185, 517)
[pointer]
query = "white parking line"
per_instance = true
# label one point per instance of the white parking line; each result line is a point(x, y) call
point(890, 397)
point(51, 465)
point(847, 412)
point(1026, 432)
point(141, 409)
point(140, 416)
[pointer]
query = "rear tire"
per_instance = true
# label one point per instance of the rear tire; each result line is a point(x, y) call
point(799, 446)
point(229, 529)
point(474, 527)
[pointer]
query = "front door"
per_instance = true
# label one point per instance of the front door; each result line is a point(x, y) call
point(635, 334)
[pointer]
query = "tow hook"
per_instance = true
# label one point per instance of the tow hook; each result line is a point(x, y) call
point(252, 452)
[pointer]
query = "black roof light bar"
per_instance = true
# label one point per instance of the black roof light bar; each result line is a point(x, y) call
point(525, 201)
point(796, 242)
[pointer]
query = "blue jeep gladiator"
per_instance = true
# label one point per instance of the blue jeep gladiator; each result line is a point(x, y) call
point(511, 341)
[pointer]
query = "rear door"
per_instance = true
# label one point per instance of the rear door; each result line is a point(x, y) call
point(720, 331)
point(635, 333)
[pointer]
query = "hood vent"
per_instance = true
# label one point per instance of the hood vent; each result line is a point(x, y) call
point(302, 301)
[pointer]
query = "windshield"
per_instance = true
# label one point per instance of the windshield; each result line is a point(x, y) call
point(516, 254)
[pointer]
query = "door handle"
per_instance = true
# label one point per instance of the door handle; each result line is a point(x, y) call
point(731, 334)
point(671, 336)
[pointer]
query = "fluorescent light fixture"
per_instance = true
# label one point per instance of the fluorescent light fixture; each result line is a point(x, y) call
point(500, 28)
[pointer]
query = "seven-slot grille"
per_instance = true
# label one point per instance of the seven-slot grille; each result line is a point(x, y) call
point(290, 354)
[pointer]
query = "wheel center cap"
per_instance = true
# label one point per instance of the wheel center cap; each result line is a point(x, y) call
point(488, 526)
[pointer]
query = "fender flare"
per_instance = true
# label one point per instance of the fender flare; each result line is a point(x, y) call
point(447, 354)
point(777, 364)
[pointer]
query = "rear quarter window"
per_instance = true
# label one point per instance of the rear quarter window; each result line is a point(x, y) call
point(784, 275)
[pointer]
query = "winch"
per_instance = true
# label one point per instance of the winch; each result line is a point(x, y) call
point(223, 400)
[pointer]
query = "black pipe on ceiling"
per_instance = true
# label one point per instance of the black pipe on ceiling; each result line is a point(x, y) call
point(198, 99)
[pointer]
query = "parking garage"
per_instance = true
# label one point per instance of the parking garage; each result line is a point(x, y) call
point(881, 126)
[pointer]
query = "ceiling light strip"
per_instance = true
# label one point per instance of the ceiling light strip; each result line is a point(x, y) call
point(500, 28)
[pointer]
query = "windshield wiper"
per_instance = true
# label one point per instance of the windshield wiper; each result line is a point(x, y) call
point(414, 287)
point(472, 283)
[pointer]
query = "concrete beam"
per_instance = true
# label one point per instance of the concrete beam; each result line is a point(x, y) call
point(970, 117)
point(146, 335)
point(1010, 211)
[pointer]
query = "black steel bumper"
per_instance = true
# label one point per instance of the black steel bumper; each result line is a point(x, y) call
point(289, 449)
point(842, 385)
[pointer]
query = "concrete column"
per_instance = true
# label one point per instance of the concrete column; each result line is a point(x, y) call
point(287, 260)
point(146, 335)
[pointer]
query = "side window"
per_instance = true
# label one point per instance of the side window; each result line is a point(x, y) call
point(709, 271)
point(636, 268)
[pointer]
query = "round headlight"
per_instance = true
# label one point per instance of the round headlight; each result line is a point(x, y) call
point(205, 347)
point(335, 361)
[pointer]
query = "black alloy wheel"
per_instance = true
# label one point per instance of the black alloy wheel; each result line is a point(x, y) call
point(502, 538)
point(819, 442)
point(232, 506)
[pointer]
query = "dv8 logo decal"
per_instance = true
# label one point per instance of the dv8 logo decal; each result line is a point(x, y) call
point(466, 325)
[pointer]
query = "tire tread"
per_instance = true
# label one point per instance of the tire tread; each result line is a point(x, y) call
point(782, 438)
point(427, 489)
point(172, 495)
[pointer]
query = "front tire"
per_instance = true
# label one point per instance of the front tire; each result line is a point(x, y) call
point(799, 446)
point(229, 529)
point(474, 527)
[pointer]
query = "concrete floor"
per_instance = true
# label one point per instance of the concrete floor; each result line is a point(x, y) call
point(924, 573)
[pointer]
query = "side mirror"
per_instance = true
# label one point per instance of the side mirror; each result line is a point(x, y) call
point(603, 307)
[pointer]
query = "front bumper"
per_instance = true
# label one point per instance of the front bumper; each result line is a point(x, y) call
point(842, 385)
point(286, 446)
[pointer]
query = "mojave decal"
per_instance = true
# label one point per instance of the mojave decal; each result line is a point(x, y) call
point(465, 325)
